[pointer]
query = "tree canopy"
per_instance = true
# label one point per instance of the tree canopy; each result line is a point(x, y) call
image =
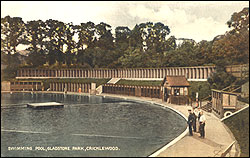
point(53, 43)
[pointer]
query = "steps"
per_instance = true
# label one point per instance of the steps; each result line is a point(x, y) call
point(113, 80)
point(99, 89)
point(207, 107)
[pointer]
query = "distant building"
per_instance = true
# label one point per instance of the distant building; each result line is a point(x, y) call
point(180, 41)
point(176, 89)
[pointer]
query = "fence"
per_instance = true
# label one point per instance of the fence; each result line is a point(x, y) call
point(140, 91)
point(27, 86)
point(179, 100)
point(70, 87)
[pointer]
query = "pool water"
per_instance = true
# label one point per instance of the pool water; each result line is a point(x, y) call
point(94, 125)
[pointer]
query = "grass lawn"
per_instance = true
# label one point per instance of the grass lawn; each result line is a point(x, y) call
point(139, 82)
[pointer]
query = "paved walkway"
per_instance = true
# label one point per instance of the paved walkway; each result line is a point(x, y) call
point(217, 135)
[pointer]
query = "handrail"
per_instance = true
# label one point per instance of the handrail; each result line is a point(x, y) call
point(206, 97)
point(236, 89)
point(247, 106)
point(226, 87)
point(227, 150)
point(229, 87)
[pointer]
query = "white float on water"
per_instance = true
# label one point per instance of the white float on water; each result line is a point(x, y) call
point(47, 104)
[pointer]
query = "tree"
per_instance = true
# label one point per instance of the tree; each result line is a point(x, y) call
point(12, 32)
point(170, 44)
point(55, 39)
point(69, 42)
point(105, 40)
point(221, 78)
point(203, 51)
point(122, 38)
point(135, 38)
point(233, 47)
point(86, 40)
point(35, 35)
point(154, 38)
point(12, 66)
point(150, 39)
point(133, 58)
point(184, 55)
point(239, 22)
point(86, 35)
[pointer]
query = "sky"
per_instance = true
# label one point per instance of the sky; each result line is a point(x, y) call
point(196, 20)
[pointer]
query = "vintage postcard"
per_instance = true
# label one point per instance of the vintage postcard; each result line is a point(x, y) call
point(124, 79)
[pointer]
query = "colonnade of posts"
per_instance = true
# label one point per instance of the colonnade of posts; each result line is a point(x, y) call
point(144, 91)
point(70, 87)
point(23, 86)
point(199, 72)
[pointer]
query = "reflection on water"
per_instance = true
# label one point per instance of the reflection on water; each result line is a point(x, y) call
point(136, 129)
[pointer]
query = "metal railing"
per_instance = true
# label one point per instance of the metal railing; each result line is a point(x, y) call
point(227, 150)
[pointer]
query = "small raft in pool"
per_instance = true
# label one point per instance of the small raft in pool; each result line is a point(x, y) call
point(45, 105)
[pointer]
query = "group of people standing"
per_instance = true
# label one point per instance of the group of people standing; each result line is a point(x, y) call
point(196, 121)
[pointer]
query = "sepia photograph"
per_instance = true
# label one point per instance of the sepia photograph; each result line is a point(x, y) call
point(124, 78)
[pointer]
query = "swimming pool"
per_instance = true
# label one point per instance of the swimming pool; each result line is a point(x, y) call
point(85, 126)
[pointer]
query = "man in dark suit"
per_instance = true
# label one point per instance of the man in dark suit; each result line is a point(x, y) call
point(190, 122)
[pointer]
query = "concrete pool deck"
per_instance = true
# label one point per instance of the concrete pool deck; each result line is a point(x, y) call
point(217, 136)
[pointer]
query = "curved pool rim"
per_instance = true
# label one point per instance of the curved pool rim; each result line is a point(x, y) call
point(137, 99)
